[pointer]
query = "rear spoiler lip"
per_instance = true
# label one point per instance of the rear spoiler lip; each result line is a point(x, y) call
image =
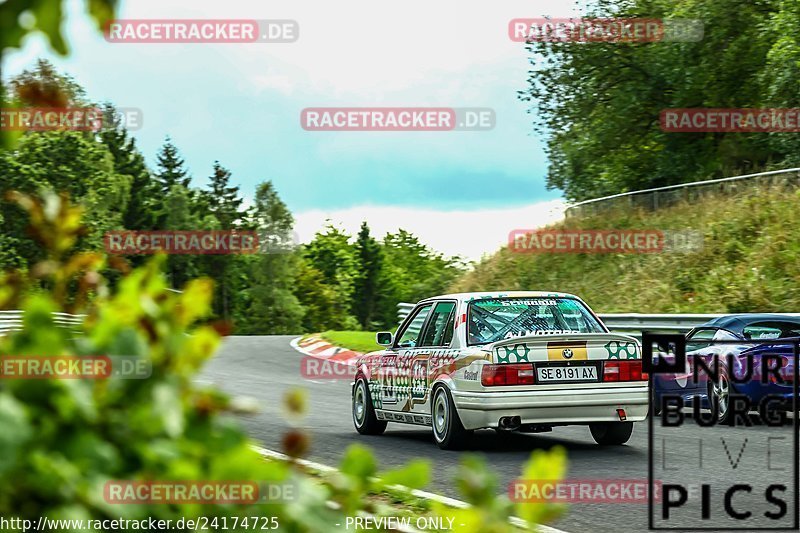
point(562, 337)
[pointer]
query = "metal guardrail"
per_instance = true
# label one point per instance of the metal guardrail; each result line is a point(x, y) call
point(12, 321)
point(638, 322)
point(663, 196)
point(632, 323)
point(402, 311)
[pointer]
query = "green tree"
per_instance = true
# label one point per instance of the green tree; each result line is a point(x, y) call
point(70, 162)
point(222, 203)
point(599, 103)
point(47, 18)
point(140, 212)
point(367, 283)
point(222, 198)
point(411, 271)
point(332, 255)
point(317, 298)
point(44, 86)
point(171, 168)
point(273, 307)
point(179, 216)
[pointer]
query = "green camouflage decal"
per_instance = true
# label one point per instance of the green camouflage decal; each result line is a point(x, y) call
point(511, 354)
point(617, 349)
point(375, 395)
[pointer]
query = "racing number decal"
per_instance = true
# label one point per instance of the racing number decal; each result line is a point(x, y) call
point(419, 380)
point(388, 379)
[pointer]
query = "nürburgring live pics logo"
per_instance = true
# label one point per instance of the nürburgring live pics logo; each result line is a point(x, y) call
point(743, 479)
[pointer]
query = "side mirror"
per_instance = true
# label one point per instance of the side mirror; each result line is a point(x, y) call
point(384, 338)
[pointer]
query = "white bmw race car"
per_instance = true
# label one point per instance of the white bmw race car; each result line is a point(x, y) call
point(515, 361)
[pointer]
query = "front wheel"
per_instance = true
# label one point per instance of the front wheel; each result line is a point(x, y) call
point(611, 433)
point(448, 431)
point(364, 417)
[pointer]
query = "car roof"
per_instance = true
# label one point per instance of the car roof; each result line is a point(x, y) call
point(738, 322)
point(467, 296)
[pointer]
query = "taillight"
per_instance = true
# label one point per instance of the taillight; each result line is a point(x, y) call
point(624, 371)
point(494, 375)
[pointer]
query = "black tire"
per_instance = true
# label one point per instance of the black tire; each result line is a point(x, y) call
point(448, 431)
point(720, 394)
point(364, 417)
point(611, 433)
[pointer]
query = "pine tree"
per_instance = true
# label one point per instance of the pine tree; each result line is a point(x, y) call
point(273, 309)
point(366, 286)
point(140, 213)
point(222, 199)
point(171, 170)
point(178, 216)
point(171, 173)
point(222, 202)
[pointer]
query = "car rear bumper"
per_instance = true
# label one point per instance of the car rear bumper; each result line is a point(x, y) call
point(484, 409)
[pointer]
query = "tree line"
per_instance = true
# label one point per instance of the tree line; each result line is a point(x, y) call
point(599, 102)
point(336, 281)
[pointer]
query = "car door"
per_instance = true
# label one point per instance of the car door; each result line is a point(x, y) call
point(394, 361)
point(436, 337)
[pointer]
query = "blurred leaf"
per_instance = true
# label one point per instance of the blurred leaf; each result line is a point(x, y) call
point(15, 433)
point(415, 475)
point(359, 463)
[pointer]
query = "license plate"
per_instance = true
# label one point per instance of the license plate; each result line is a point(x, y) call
point(566, 373)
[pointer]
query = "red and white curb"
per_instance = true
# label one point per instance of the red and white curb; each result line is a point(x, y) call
point(316, 346)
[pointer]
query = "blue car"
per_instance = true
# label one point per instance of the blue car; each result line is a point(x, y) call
point(731, 328)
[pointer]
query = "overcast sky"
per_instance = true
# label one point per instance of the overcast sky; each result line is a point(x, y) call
point(461, 192)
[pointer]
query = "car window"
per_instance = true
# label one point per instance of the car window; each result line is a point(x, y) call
point(494, 319)
point(436, 331)
point(771, 330)
point(724, 335)
point(410, 335)
point(705, 334)
point(449, 329)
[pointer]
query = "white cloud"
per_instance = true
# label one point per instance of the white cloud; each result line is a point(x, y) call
point(468, 233)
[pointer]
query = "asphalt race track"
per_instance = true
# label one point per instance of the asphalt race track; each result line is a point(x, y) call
point(265, 367)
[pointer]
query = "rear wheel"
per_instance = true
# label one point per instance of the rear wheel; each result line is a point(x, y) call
point(611, 433)
point(448, 431)
point(364, 417)
point(720, 394)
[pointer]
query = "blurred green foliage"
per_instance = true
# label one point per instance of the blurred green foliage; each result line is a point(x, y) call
point(20, 18)
point(64, 439)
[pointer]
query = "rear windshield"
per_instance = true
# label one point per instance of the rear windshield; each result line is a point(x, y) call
point(495, 319)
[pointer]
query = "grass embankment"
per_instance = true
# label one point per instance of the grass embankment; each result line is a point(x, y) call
point(750, 261)
point(359, 341)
